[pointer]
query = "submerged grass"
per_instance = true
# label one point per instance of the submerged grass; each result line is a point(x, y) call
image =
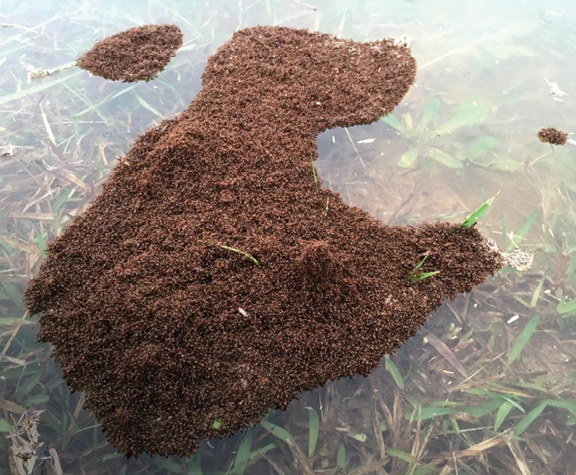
point(491, 389)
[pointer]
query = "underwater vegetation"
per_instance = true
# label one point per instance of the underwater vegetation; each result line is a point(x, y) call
point(486, 386)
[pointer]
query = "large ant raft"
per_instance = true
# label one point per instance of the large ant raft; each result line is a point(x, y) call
point(215, 278)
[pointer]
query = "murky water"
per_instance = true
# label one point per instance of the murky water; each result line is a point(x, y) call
point(488, 385)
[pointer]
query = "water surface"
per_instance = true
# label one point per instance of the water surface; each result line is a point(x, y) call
point(487, 386)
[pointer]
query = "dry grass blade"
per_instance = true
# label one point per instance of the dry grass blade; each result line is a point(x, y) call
point(300, 458)
point(482, 447)
point(10, 406)
point(519, 457)
point(441, 348)
point(24, 444)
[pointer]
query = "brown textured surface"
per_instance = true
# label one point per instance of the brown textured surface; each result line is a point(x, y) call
point(553, 136)
point(136, 54)
point(142, 303)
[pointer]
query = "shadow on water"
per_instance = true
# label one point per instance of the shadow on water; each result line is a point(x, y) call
point(487, 386)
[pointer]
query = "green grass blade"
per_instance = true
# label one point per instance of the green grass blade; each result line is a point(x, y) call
point(34, 89)
point(409, 158)
point(108, 99)
point(430, 112)
point(537, 291)
point(5, 426)
point(468, 115)
point(243, 454)
point(14, 294)
point(421, 263)
point(444, 159)
point(525, 228)
point(278, 431)
point(529, 418)
point(395, 123)
point(501, 415)
point(566, 307)
point(263, 450)
point(147, 106)
point(523, 339)
point(195, 467)
point(314, 430)
point(430, 413)
point(471, 220)
point(393, 370)
point(401, 455)
point(341, 456)
point(482, 146)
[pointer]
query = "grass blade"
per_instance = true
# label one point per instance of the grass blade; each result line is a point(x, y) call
point(33, 90)
point(469, 114)
point(104, 101)
point(444, 159)
point(393, 122)
point(501, 415)
point(471, 220)
point(147, 106)
point(537, 291)
point(525, 228)
point(409, 158)
point(523, 339)
point(233, 249)
point(566, 307)
point(278, 431)
point(393, 370)
point(243, 454)
point(341, 456)
point(430, 112)
point(529, 418)
point(314, 430)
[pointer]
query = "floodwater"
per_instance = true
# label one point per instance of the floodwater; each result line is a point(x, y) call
point(487, 386)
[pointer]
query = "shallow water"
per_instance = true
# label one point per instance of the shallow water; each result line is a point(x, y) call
point(487, 386)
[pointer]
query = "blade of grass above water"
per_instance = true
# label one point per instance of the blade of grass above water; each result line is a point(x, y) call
point(482, 209)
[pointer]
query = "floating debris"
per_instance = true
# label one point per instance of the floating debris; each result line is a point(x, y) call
point(137, 54)
point(554, 89)
point(24, 444)
point(7, 150)
point(518, 259)
point(175, 340)
point(553, 136)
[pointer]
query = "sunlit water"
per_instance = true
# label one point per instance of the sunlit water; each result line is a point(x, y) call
point(476, 391)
